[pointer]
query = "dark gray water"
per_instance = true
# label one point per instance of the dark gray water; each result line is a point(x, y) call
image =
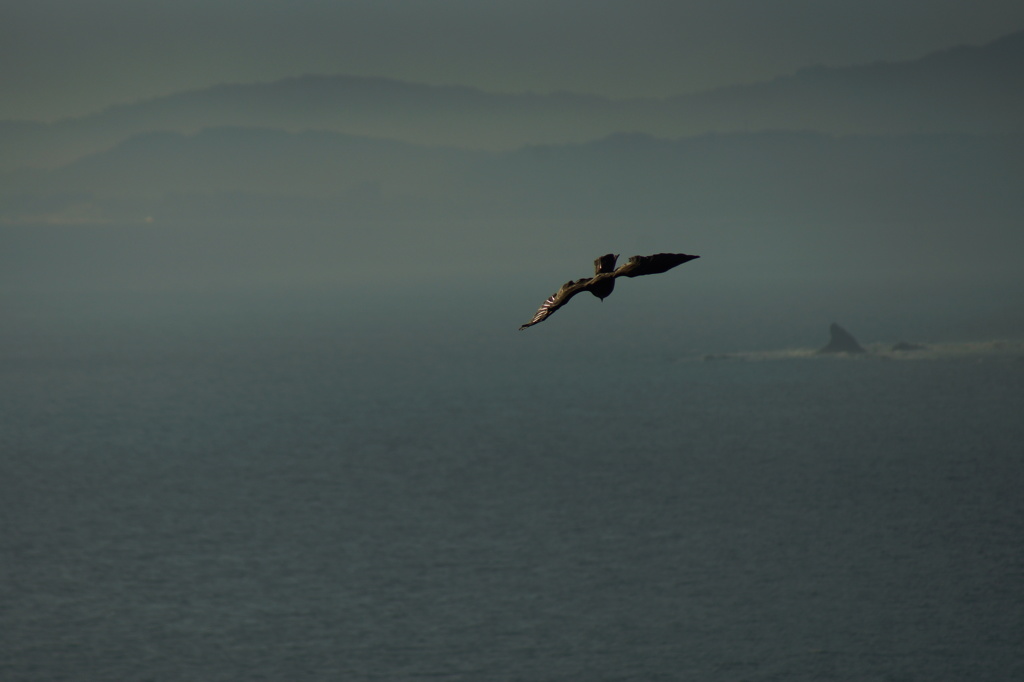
point(295, 502)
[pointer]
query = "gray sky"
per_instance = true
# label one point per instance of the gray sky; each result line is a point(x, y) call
point(67, 57)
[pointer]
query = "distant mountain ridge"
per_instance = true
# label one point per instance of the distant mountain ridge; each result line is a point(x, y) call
point(963, 89)
point(960, 90)
point(252, 175)
point(946, 207)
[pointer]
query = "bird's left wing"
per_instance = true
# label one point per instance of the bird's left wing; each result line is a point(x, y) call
point(557, 300)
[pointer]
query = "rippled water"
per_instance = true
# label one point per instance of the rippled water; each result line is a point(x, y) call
point(310, 506)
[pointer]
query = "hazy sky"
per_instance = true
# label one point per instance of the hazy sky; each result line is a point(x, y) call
point(66, 57)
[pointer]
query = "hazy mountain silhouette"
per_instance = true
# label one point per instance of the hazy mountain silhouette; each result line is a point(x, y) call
point(238, 174)
point(897, 222)
point(374, 107)
point(962, 89)
point(771, 201)
point(965, 89)
point(747, 176)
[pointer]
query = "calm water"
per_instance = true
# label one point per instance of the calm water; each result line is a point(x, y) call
point(293, 502)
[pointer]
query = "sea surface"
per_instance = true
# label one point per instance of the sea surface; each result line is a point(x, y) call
point(292, 499)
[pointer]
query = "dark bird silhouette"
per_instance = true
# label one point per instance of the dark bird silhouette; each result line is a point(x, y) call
point(603, 282)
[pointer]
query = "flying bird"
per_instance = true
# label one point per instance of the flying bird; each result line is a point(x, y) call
point(603, 281)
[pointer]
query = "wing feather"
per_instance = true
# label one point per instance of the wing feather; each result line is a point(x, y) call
point(557, 300)
point(652, 265)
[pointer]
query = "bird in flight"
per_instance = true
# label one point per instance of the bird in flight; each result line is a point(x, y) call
point(603, 281)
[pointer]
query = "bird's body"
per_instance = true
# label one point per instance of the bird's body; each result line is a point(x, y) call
point(603, 282)
point(602, 288)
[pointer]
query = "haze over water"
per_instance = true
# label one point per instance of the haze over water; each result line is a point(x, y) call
point(283, 498)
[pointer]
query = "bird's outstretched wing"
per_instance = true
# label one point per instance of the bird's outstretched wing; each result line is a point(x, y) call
point(652, 265)
point(558, 299)
point(603, 281)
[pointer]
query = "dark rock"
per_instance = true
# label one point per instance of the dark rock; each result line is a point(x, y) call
point(907, 346)
point(841, 342)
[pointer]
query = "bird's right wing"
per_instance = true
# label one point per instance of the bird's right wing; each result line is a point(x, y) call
point(557, 300)
point(652, 265)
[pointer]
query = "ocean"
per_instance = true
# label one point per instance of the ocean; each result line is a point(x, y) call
point(301, 497)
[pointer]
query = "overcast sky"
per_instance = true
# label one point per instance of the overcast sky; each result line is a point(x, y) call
point(68, 57)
